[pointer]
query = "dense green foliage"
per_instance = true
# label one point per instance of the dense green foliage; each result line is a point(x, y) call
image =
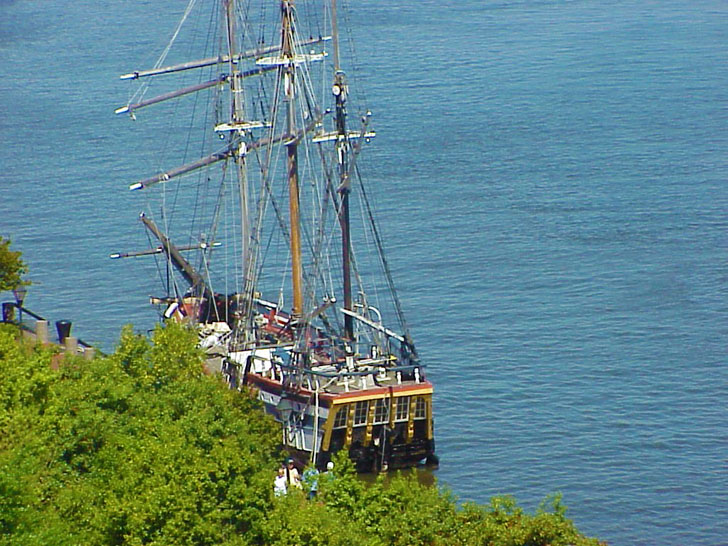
point(12, 267)
point(141, 447)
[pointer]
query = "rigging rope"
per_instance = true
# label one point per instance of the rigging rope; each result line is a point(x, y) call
point(139, 94)
point(385, 263)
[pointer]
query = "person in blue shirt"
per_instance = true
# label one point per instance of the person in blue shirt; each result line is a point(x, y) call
point(310, 478)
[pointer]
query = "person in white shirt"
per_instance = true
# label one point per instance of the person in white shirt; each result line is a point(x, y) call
point(279, 485)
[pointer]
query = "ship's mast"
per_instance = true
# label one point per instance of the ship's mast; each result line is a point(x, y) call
point(238, 117)
point(289, 72)
point(339, 89)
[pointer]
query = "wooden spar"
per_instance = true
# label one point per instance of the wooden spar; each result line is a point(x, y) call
point(188, 90)
point(237, 115)
point(339, 90)
point(346, 259)
point(320, 309)
point(184, 169)
point(374, 325)
point(189, 273)
point(221, 59)
point(335, 35)
point(160, 249)
point(170, 95)
point(219, 156)
point(289, 73)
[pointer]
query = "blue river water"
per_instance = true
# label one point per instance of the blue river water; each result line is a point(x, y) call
point(555, 211)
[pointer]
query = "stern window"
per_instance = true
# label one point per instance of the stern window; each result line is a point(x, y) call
point(420, 409)
point(341, 414)
point(402, 408)
point(381, 411)
point(360, 413)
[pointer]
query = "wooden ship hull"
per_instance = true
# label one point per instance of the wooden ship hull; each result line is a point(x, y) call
point(384, 422)
point(380, 413)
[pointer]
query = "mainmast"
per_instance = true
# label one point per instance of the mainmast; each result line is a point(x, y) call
point(339, 89)
point(289, 72)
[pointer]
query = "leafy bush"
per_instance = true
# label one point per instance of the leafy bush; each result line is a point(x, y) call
point(136, 448)
point(141, 447)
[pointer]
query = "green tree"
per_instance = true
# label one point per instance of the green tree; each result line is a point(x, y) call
point(142, 447)
point(12, 267)
point(397, 510)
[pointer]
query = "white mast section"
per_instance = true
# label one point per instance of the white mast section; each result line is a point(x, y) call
point(238, 116)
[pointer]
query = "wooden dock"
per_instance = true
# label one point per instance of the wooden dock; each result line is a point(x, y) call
point(35, 329)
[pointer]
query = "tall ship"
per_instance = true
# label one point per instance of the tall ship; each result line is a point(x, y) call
point(264, 231)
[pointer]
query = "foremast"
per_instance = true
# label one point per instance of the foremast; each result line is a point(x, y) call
point(238, 123)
